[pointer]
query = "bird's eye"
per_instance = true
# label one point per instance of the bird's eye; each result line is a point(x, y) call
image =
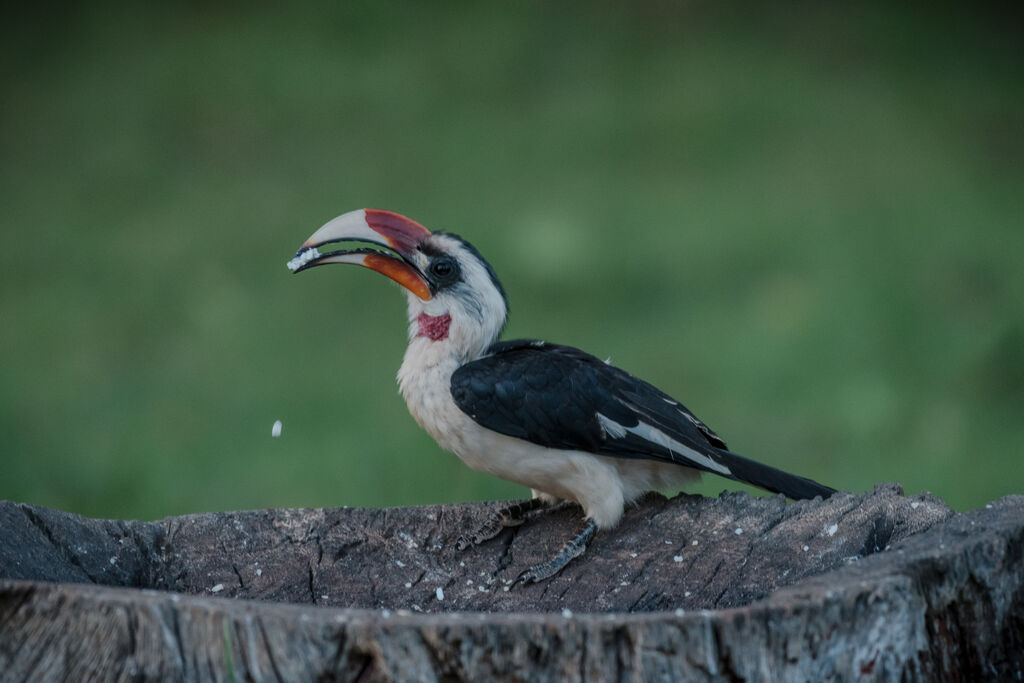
point(444, 269)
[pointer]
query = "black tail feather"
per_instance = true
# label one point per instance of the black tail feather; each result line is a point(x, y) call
point(772, 479)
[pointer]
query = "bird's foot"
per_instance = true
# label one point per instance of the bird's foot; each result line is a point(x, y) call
point(569, 552)
point(513, 515)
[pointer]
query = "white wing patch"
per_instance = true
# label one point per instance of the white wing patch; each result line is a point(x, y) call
point(611, 427)
point(656, 436)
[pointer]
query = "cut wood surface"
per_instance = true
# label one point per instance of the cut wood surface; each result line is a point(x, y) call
point(875, 586)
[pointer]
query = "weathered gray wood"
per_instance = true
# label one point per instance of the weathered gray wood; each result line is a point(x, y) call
point(873, 586)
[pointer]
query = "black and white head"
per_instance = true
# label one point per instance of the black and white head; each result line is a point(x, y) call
point(454, 294)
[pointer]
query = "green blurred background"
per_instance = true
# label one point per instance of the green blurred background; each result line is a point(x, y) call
point(804, 221)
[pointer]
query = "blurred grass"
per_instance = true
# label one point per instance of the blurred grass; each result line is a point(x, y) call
point(804, 221)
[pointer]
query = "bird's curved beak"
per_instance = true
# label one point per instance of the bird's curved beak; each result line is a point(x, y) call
point(385, 228)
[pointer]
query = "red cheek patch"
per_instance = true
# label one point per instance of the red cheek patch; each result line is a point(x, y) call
point(434, 327)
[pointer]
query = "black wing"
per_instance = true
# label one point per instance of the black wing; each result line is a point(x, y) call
point(560, 397)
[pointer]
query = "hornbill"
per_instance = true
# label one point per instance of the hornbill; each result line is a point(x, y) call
point(553, 418)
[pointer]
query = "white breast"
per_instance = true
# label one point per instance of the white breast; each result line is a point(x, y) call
point(602, 485)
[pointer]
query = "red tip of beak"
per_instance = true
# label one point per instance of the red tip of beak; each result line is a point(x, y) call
point(402, 233)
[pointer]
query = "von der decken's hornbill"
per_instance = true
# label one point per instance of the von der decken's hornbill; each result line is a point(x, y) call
point(560, 421)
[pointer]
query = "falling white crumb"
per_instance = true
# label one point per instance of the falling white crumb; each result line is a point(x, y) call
point(324, 597)
point(831, 531)
point(739, 530)
point(677, 558)
point(259, 572)
point(439, 593)
point(567, 613)
point(218, 588)
point(481, 589)
point(914, 504)
point(687, 594)
point(408, 584)
point(668, 542)
point(113, 560)
point(680, 612)
point(303, 258)
point(400, 563)
point(694, 542)
point(275, 431)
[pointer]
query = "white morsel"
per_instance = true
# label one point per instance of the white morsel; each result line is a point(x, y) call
point(259, 572)
point(567, 613)
point(694, 542)
point(400, 563)
point(806, 548)
point(677, 558)
point(680, 612)
point(914, 504)
point(687, 594)
point(739, 530)
point(831, 531)
point(303, 258)
point(408, 584)
point(439, 593)
point(275, 431)
point(481, 589)
point(218, 588)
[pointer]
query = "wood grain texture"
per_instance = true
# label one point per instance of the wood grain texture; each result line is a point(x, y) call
point(869, 587)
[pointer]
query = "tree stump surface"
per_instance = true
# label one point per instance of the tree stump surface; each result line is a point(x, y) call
point(873, 586)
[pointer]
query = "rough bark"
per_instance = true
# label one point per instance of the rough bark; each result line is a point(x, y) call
point(873, 586)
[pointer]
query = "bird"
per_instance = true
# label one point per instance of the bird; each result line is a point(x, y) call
point(571, 427)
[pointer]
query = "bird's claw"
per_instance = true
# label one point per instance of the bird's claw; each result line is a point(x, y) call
point(510, 516)
point(569, 552)
point(531, 575)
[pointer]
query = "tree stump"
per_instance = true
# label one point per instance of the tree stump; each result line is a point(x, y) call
point(874, 586)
